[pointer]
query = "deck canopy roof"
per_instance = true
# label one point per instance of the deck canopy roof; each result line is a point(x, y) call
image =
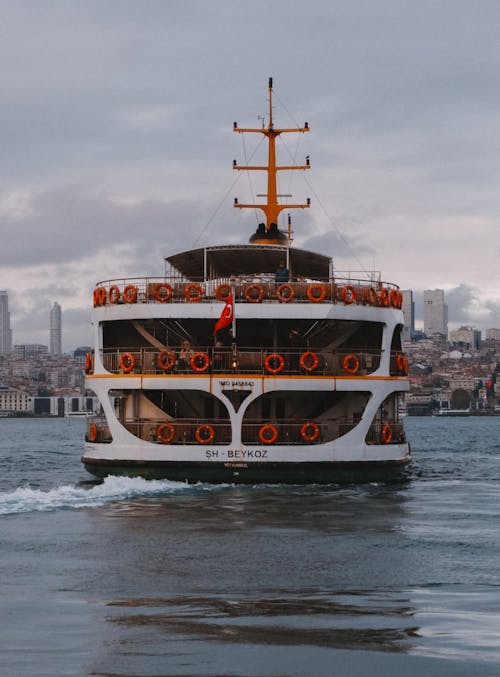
point(248, 260)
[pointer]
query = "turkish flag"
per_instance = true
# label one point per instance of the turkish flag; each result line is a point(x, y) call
point(226, 317)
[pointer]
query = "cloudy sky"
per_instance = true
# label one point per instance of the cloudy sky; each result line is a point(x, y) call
point(117, 146)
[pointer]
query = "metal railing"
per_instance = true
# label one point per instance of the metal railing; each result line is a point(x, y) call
point(262, 433)
point(203, 360)
point(252, 289)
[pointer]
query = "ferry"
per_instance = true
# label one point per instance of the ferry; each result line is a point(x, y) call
point(250, 363)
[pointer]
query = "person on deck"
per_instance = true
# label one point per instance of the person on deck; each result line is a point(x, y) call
point(282, 274)
point(185, 355)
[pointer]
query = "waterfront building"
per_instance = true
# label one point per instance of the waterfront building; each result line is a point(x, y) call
point(30, 351)
point(14, 402)
point(466, 338)
point(5, 330)
point(55, 330)
point(80, 355)
point(435, 313)
point(493, 334)
point(408, 309)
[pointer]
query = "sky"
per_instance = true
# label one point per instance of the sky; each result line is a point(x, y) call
point(117, 145)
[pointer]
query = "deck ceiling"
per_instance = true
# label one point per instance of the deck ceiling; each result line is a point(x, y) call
point(247, 260)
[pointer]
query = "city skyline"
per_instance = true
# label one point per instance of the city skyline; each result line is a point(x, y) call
point(413, 322)
point(112, 162)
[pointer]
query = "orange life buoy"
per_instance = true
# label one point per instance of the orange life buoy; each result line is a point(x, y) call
point(100, 295)
point(383, 297)
point(196, 296)
point(273, 434)
point(127, 362)
point(88, 363)
point(114, 294)
point(130, 293)
point(309, 361)
point(401, 363)
point(204, 434)
point(370, 296)
point(311, 292)
point(165, 433)
point(254, 293)
point(406, 364)
point(162, 292)
point(165, 360)
point(309, 431)
point(199, 362)
point(93, 433)
point(350, 364)
point(386, 433)
point(222, 292)
point(348, 294)
point(285, 293)
point(274, 363)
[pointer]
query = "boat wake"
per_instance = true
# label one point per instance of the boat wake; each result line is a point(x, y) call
point(25, 499)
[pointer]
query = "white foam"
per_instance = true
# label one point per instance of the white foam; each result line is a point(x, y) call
point(25, 499)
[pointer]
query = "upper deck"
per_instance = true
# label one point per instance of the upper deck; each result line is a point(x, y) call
point(248, 271)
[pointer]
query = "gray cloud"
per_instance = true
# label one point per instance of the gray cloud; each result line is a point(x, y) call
point(117, 145)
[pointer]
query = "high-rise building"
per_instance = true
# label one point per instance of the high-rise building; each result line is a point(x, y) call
point(466, 338)
point(493, 334)
point(55, 330)
point(408, 309)
point(435, 313)
point(5, 330)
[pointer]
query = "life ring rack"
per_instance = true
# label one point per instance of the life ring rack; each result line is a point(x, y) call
point(316, 286)
point(402, 363)
point(114, 294)
point(249, 295)
point(268, 427)
point(165, 433)
point(162, 292)
point(285, 292)
point(193, 287)
point(370, 296)
point(309, 361)
point(309, 431)
point(274, 363)
point(386, 433)
point(100, 295)
point(127, 362)
point(130, 293)
point(350, 364)
point(383, 297)
point(348, 294)
point(223, 292)
point(165, 360)
point(199, 362)
point(204, 434)
point(93, 432)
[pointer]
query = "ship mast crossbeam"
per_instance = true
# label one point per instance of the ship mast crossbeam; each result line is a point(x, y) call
point(281, 168)
point(272, 208)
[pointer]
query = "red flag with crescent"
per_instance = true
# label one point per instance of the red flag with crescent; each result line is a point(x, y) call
point(226, 317)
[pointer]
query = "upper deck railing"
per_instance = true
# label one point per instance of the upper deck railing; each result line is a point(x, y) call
point(203, 360)
point(254, 289)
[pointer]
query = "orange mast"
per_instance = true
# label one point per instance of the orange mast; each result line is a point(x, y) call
point(272, 207)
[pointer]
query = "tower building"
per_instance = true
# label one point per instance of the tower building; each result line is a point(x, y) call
point(408, 309)
point(5, 330)
point(55, 330)
point(435, 313)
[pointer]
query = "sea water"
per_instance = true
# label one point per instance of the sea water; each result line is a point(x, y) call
point(128, 577)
